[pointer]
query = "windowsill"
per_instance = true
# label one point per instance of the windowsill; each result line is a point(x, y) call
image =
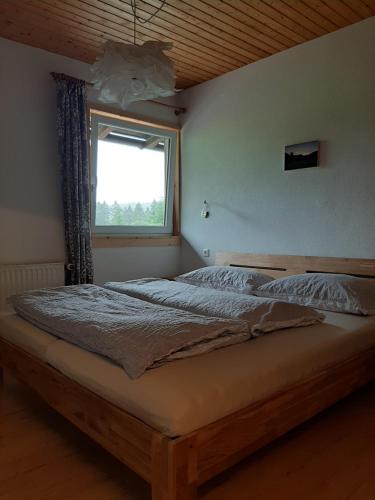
point(99, 241)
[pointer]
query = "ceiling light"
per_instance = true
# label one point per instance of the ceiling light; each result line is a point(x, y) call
point(125, 73)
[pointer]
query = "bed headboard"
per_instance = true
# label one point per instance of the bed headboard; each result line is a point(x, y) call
point(284, 265)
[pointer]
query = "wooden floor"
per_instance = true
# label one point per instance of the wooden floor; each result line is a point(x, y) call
point(43, 457)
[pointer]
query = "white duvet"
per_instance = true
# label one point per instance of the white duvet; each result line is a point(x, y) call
point(261, 314)
point(133, 333)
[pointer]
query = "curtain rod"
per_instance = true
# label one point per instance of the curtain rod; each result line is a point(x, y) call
point(178, 110)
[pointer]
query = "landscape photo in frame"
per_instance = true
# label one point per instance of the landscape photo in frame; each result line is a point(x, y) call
point(303, 155)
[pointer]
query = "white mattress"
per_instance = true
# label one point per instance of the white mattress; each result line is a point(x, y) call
point(22, 333)
point(184, 395)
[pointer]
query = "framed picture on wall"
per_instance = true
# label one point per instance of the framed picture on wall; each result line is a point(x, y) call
point(303, 155)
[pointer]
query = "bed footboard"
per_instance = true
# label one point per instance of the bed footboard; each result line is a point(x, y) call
point(175, 467)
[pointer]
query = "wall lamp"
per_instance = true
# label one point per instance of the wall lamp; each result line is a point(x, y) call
point(205, 212)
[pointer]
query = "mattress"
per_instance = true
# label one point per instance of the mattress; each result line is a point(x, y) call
point(184, 395)
point(23, 334)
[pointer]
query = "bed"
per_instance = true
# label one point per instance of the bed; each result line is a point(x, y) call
point(161, 425)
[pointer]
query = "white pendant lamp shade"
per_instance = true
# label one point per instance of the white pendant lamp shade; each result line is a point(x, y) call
point(126, 73)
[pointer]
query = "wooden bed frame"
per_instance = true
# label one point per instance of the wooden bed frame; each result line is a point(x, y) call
point(175, 467)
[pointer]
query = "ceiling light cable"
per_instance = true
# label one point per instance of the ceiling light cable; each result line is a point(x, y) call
point(134, 9)
point(133, 4)
point(144, 21)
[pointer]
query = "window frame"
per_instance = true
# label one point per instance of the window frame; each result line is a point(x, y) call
point(171, 223)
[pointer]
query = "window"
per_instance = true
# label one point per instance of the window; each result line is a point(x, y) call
point(133, 171)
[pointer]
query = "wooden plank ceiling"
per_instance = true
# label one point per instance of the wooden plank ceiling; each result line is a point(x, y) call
point(210, 37)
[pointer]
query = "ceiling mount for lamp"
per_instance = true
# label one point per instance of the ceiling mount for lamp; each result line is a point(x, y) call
point(126, 73)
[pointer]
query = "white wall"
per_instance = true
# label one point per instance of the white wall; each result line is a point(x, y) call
point(233, 138)
point(232, 142)
point(31, 225)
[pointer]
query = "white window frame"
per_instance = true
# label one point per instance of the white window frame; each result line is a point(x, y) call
point(171, 136)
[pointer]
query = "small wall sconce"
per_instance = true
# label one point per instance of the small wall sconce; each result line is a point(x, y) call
point(205, 212)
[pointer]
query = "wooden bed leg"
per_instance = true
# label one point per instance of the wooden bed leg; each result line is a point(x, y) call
point(1, 376)
point(174, 469)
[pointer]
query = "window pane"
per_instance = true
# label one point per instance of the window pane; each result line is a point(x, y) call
point(131, 178)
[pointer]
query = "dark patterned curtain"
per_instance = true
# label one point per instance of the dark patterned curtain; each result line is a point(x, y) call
point(74, 165)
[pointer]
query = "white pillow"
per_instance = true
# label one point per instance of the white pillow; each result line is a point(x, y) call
point(331, 292)
point(228, 278)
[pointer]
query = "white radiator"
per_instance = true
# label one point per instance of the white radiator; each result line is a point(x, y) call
point(17, 278)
